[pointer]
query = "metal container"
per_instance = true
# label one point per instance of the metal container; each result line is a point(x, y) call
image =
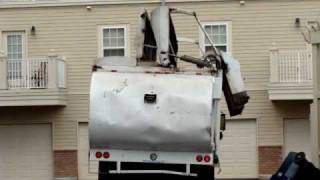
point(153, 112)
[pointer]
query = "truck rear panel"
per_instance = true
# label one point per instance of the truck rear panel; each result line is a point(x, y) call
point(151, 112)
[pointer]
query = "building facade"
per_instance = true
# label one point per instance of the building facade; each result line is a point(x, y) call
point(49, 47)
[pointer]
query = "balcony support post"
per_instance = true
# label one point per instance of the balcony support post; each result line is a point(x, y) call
point(52, 70)
point(3, 71)
point(274, 65)
point(315, 106)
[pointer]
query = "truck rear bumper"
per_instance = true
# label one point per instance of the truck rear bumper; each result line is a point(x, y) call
point(148, 170)
point(151, 163)
point(198, 158)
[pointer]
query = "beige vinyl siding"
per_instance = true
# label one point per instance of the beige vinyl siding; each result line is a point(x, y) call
point(297, 136)
point(270, 116)
point(255, 27)
point(72, 32)
point(66, 122)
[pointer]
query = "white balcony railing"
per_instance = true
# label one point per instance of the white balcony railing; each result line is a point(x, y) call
point(30, 74)
point(45, 73)
point(290, 66)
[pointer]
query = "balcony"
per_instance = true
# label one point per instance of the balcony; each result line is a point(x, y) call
point(33, 82)
point(290, 75)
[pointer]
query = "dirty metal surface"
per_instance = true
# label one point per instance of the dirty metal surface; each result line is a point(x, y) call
point(157, 112)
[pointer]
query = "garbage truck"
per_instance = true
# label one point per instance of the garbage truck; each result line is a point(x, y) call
point(151, 116)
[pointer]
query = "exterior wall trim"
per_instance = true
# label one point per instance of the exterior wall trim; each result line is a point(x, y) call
point(90, 2)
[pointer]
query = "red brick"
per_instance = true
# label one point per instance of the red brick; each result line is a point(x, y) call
point(65, 163)
point(270, 159)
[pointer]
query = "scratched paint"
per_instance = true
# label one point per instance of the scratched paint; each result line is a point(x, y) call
point(180, 120)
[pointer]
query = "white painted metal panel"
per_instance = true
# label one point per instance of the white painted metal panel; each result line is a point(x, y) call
point(297, 136)
point(26, 152)
point(179, 119)
point(238, 150)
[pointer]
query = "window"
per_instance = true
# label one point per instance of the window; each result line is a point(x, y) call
point(218, 32)
point(14, 45)
point(114, 41)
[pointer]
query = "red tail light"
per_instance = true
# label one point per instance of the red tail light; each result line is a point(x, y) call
point(207, 158)
point(98, 155)
point(199, 158)
point(106, 155)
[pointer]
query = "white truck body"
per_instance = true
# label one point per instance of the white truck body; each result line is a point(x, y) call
point(178, 120)
point(177, 127)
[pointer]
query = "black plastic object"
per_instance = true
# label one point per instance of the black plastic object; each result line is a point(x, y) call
point(223, 122)
point(149, 53)
point(173, 44)
point(297, 167)
point(200, 63)
point(235, 102)
point(150, 98)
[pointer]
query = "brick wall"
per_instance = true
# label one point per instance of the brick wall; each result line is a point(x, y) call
point(65, 163)
point(270, 159)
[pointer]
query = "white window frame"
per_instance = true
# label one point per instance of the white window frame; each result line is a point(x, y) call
point(228, 35)
point(101, 48)
point(5, 34)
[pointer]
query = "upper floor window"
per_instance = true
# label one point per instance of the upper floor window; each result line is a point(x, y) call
point(114, 41)
point(219, 34)
point(14, 45)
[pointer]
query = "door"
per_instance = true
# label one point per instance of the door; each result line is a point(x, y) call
point(26, 152)
point(85, 173)
point(297, 136)
point(15, 49)
point(238, 150)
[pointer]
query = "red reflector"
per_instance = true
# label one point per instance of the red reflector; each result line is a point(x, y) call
point(106, 155)
point(207, 158)
point(98, 155)
point(199, 158)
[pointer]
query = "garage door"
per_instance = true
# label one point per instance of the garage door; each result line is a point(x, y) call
point(238, 155)
point(25, 152)
point(85, 173)
point(297, 136)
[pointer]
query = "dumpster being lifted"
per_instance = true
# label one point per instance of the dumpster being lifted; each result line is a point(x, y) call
point(158, 118)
